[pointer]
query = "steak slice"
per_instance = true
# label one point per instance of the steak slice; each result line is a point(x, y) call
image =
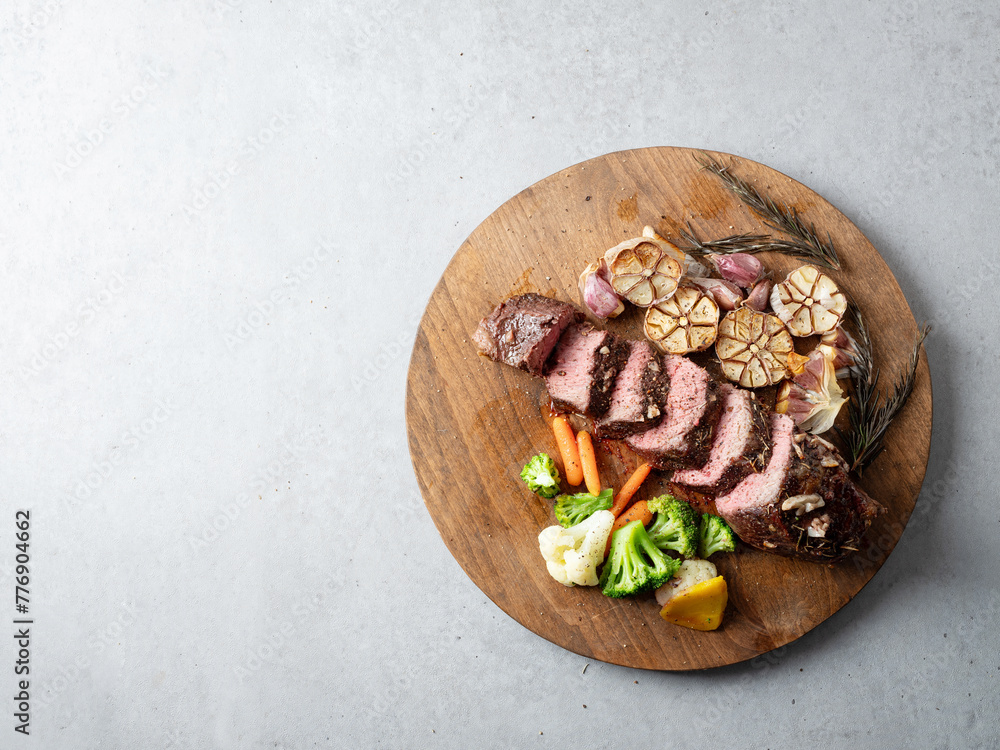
point(684, 436)
point(741, 444)
point(639, 396)
point(583, 370)
point(523, 330)
point(804, 504)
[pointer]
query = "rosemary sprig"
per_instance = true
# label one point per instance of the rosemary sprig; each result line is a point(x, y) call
point(742, 243)
point(778, 216)
point(869, 411)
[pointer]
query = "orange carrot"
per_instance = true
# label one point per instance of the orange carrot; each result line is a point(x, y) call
point(639, 511)
point(589, 461)
point(631, 487)
point(568, 450)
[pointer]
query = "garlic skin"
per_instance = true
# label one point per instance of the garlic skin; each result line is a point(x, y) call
point(760, 297)
point(812, 398)
point(839, 346)
point(596, 292)
point(741, 269)
point(691, 266)
point(726, 294)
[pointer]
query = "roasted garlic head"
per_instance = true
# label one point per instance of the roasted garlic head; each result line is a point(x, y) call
point(687, 322)
point(808, 302)
point(753, 348)
point(644, 270)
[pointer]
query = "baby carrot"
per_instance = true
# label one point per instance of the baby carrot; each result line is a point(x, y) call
point(589, 461)
point(639, 511)
point(568, 450)
point(631, 486)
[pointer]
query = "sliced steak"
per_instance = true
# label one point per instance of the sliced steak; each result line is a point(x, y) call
point(523, 330)
point(583, 370)
point(639, 396)
point(684, 436)
point(741, 444)
point(803, 504)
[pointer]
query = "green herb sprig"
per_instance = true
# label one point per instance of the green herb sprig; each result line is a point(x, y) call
point(778, 216)
point(869, 411)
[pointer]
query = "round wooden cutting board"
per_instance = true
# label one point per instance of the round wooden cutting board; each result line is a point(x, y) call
point(473, 423)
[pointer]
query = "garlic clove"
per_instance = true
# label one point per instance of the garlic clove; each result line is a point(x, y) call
point(726, 294)
point(760, 297)
point(813, 398)
point(741, 269)
point(597, 293)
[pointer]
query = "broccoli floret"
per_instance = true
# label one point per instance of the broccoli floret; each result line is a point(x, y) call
point(572, 509)
point(541, 475)
point(634, 563)
point(675, 526)
point(714, 535)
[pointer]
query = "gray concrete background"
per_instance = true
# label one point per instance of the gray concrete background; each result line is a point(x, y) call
point(220, 221)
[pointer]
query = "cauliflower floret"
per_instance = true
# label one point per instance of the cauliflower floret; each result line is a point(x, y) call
point(572, 555)
point(690, 573)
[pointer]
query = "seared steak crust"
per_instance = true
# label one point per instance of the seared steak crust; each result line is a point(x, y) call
point(523, 330)
point(684, 438)
point(819, 514)
point(740, 446)
point(583, 368)
point(639, 397)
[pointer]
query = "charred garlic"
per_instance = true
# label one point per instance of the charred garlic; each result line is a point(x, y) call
point(808, 302)
point(753, 348)
point(644, 270)
point(687, 322)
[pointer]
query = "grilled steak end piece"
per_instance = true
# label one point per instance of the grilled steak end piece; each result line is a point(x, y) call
point(639, 397)
point(804, 505)
point(741, 444)
point(523, 330)
point(583, 369)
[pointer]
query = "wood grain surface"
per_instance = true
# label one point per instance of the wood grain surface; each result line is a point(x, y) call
point(473, 423)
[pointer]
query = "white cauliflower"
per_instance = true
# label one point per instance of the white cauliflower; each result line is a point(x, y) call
point(572, 555)
point(690, 573)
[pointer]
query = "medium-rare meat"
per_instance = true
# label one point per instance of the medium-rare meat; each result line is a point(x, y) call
point(803, 504)
point(684, 436)
point(639, 396)
point(523, 330)
point(583, 369)
point(741, 444)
